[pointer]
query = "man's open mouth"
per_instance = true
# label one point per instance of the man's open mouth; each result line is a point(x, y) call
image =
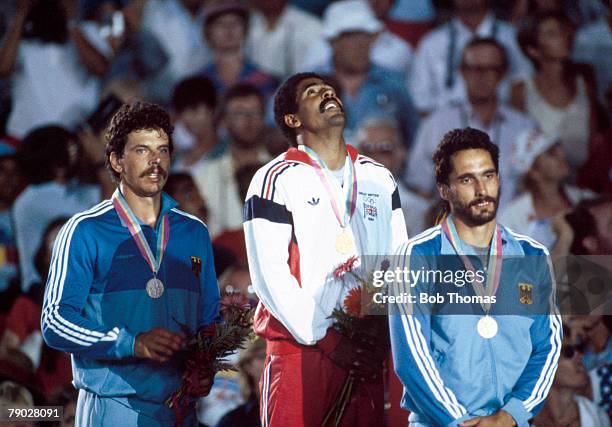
point(330, 104)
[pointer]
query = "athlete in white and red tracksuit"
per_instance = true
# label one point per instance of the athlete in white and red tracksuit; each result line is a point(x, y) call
point(291, 235)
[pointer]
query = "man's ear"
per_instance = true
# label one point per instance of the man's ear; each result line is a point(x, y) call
point(116, 162)
point(292, 121)
point(443, 191)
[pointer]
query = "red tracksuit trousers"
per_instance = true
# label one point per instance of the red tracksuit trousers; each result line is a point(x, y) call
point(300, 384)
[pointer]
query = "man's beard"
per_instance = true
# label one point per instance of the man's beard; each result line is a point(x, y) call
point(463, 211)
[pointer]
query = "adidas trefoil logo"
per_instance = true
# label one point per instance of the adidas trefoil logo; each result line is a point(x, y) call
point(314, 201)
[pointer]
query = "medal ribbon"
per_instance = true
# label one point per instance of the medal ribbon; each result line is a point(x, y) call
point(351, 195)
point(494, 265)
point(130, 220)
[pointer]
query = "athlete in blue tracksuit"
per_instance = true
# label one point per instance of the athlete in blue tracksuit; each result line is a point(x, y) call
point(455, 370)
point(122, 334)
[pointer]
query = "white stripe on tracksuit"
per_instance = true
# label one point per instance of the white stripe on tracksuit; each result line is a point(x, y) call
point(57, 276)
point(420, 349)
point(547, 375)
point(265, 394)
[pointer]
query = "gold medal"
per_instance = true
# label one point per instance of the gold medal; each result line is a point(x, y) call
point(487, 327)
point(344, 242)
point(155, 288)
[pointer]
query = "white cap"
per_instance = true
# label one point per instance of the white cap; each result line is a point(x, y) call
point(526, 148)
point(349, 15)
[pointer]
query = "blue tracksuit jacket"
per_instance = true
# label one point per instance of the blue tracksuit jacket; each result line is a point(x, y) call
point(449, 372)
point(96, 302)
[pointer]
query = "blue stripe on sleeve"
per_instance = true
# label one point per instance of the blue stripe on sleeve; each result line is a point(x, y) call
point(257, 207)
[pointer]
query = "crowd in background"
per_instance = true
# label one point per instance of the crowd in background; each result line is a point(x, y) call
point(536, 75)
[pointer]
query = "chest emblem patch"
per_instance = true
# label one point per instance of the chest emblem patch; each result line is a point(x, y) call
point(525, 293)
point(196, 266)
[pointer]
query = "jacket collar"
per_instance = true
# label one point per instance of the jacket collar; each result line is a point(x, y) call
point(510, 245)
point(297, 155)
point(167, 204)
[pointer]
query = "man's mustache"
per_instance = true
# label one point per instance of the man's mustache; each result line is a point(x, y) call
point(155, 169)
point(482, 199)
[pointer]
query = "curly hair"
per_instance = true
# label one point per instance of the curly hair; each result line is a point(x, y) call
point(285, 102)
point(458, 140)
point(130, 118)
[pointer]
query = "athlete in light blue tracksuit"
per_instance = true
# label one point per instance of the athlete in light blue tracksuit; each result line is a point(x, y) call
point(461, 360)
point(101, 304)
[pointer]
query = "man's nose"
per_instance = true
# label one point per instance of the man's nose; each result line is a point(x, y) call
point(327, 92)
point(479, 188)
point(155, 158)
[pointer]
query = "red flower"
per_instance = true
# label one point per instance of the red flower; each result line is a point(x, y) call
point(346, 267)
point(352, 303)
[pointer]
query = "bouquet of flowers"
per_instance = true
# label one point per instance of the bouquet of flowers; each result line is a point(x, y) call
point(206, 350)
point(354, 321)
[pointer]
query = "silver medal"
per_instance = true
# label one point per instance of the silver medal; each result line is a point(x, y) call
point(155, 288)
point(487, 327)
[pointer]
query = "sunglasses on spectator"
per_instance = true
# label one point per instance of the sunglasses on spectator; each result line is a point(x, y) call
point(378, 147)
point(569, 351)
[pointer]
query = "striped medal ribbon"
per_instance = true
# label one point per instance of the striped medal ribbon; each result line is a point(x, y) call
point(154, 287)
point(487, 325)
point(347, 199)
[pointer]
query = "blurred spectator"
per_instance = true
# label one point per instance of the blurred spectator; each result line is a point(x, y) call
point(523, 9)
point(52, 368)
point(388, 50)
point(560, 95)
point(590, 222)
point(584, 12)
point(67, 399)
point(10, 185)
point(594, 333)
point(233, 239)
point(538, 211)
point(49, 158)
point(194, 101)
point(409, 19)
point(596, 173)
point(226, 393)
point(237, 278)
point(380, 140)
point(52, 65)
point(131, 50)
point(251, 367)
point(242, 115)
point(274, 141)
point(225, 29)
point(126, 88)
point(367, 90)
point(13, 395)
point(279, 35)
point(181, 187)
point(564, 405)
point(177, 25)
point(484, 64)
point(434, 80)
point(593, 45)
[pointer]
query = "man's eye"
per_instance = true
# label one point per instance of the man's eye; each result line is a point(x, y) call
point(141, 150)
point(465, 180)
